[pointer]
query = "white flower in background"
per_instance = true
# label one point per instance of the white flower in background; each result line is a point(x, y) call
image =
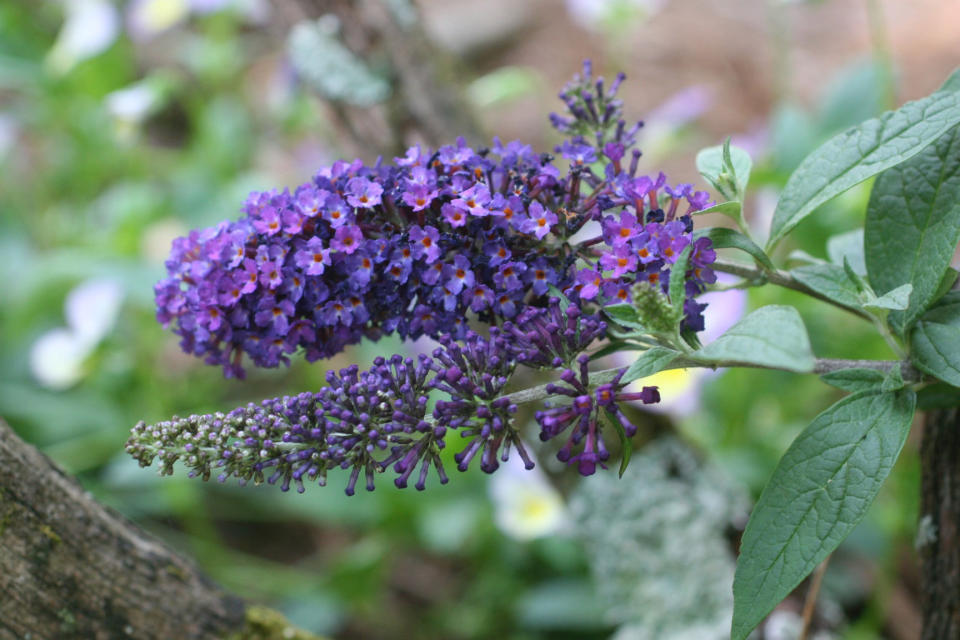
point(90, 28)
point(597, 14)
point(130, 106)
point(526, 506)
point(680, 388)
point(134, 103)
point(149, 18)
point(57, 357)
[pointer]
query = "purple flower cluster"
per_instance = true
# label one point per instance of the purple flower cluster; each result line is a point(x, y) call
point(579, 417)
point(364, 421)
point(551, 338)
point(417, 246)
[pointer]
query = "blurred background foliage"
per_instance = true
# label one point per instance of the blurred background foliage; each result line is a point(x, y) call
point(125, 124)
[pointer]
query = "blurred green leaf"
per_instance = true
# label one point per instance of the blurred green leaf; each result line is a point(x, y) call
point(853, 95)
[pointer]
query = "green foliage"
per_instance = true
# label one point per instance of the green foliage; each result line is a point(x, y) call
point(819, 492)
point(860, 153)
point(913, 225)
point(854, 380)
point(772, 336)
point(726, 168)
point(724, 238)
point(830, 281)
point(651, 361)
point(936, 340)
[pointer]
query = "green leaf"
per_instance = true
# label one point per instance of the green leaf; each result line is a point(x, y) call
point(624, 315)
point(724, 238)
point(625, 443)
point(847, 246)
point(896, 300)
point(772, 336)
point(651, 361)
point(935, 340)
point(860, 153)
point(949, 279)
point(830, 281)
point(731, 209)
point(677, 292)
point(726, 168)
point(855, 379)
point(893, 381)
point(820, 490)
point(913, 225)
point(952, 83)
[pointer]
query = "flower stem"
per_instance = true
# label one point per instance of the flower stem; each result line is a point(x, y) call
point(821, 366)
point(756, 276)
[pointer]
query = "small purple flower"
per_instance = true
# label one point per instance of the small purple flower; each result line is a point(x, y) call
point(335, 211)
point(539, 220)
point(347, 239)
point(313, 258)
point(458, 275)
point(268, 222)
point(473, 200)
point(425, 243)
point(271, 275)
point(454, 216)
point(363, 193)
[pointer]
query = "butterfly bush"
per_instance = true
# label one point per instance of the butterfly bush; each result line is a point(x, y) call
point(432, 244)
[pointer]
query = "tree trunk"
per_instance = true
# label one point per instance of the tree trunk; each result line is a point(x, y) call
point(72, 568)
point(938, 537)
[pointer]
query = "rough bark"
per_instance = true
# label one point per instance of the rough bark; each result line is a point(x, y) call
point(939, 531)
point(425, 105)
point(72, 568)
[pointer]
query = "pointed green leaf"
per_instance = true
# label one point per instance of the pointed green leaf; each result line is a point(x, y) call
point(953, 82)
point(896, 300)
point(624, 315)
point(862, 152)
point(678, 294)
point(651, 361)
point(830, 281)
point(936, 340)
point(724, 238)
point(772, 336)
point(893, 381)
point(626, 444)
point(913, 225)
point(820, 490)
point(726, 168)
point(731, 209)
point(855, 379)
